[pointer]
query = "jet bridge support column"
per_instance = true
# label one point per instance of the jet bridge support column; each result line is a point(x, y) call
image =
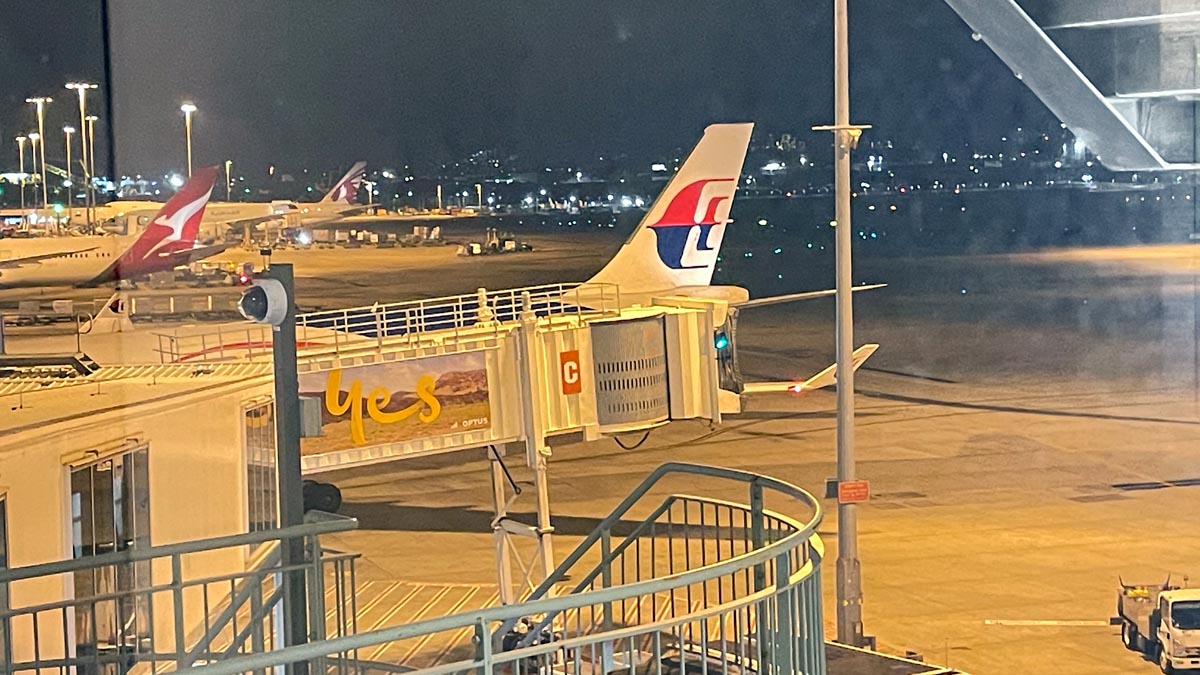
point(536, 453)
point(500, 503)
point(536, 450)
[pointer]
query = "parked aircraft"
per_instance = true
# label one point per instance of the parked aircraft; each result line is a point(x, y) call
point(168, 241)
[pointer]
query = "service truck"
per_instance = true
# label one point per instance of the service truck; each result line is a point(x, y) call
point(1163, 622)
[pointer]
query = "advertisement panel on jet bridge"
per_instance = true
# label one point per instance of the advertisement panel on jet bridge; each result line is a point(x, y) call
point(397, 404)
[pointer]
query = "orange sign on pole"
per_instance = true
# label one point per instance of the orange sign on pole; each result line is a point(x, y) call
point(568, 370)
point(853, 491)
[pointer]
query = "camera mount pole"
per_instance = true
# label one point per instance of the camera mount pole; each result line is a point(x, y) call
point(287, 463)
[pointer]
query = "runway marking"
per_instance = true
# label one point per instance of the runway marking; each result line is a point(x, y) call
point(1020, 410)
point(1037, 622)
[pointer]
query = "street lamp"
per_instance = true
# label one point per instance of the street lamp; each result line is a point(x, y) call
point(228, 180)
point(21, 152)
point(846, 135)
point(85, 134)
point(67, 131)
point(34, 139)
point(39, 103)
point(91, 170)
point(188, 108)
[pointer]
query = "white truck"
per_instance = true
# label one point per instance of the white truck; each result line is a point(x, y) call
point(1163, 622)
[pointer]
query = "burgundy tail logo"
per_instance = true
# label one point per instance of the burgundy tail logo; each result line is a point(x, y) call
point(346, 189)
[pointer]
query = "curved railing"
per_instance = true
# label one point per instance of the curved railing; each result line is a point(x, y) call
point(696, 584)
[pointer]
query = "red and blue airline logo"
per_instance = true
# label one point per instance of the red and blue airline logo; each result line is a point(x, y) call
point(683, 230)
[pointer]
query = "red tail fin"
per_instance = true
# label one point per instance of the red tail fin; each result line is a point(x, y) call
point(174, 228)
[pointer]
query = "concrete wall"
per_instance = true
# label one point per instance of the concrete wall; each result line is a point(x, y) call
point(197, 482)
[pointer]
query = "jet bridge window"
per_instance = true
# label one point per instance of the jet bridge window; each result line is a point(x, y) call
point(262, 506)
point(110, 511)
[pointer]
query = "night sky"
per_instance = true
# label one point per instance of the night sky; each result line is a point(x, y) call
point(321, 83)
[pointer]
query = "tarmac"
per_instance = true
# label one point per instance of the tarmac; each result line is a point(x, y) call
point(1029, 428)
point(1027, 442)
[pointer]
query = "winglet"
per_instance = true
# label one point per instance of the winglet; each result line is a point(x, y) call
point(825, 378)
point(828, 377)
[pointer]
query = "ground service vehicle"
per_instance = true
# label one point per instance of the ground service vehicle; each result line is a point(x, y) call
point(1163, 622)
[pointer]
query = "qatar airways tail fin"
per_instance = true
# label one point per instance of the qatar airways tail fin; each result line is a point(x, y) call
point(677, 242)
point(346, 189)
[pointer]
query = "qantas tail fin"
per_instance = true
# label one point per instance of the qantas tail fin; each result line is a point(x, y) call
point(173, 230)
point(678, 240)
point(177, 224)
point(346, 189)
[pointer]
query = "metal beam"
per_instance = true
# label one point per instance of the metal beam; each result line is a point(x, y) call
point(1045, 69)
point(1129, 21)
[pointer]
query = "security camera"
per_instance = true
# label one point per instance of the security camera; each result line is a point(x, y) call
point(264, 302)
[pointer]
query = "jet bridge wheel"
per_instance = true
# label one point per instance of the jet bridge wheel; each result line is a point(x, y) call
point(321, 497)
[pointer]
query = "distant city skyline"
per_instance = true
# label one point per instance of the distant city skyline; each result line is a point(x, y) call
point(311, 83)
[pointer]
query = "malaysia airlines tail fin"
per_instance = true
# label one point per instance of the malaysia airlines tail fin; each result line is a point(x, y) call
point(676, 244)
point(346, 189)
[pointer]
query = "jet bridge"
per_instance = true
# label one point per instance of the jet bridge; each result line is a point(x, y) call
point(495, 370)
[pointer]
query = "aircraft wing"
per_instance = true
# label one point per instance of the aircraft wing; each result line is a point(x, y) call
point(174, 259)
point(252, 222)
point(822, 379)
point(318, 219)
point(355, 210)
point(777, 299)
point(33, 259)
point(198, 253)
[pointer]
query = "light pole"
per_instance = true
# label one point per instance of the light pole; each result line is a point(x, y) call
point(34, 139)
point(228, 180)
point(849, 573)
point(67, 131)
point(85, 135)
point(39, 102)
point(188, 108)
point(21, 152)
point(91, 172)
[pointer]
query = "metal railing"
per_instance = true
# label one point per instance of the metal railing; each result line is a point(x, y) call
point(146, 613)
point(401, 323)
point(167, 307)
point(698, 585)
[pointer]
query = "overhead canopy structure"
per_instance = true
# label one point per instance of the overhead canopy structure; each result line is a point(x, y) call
point(1139, 124)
